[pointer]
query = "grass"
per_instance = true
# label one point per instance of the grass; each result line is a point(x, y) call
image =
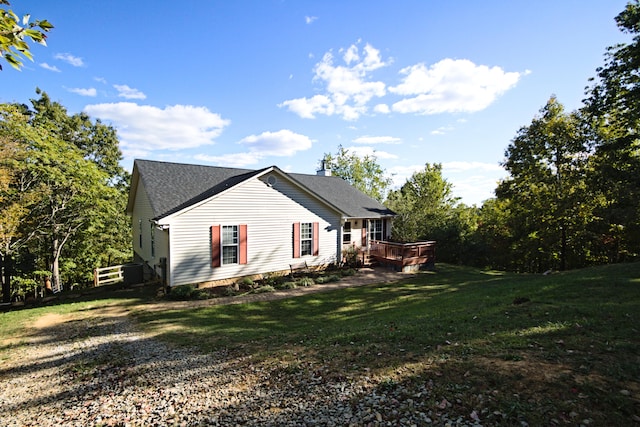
point(556, 349)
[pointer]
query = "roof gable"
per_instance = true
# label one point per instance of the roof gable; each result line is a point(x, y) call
point(172, 187)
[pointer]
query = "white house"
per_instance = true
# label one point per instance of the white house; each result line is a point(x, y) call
point(196, 224)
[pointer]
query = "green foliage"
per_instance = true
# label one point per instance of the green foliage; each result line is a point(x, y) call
point(14, 33)
point(423, 204)
point(288, 285)
point(231, 291)
point(246, 282)
point(351, 257)
point(305, 281)
point(546, 194)
point(328, 279)
point(264, 289)
point(348, 272)
point(427, 211)
point(62, 191)
point(273, 280)
point(613, 106)
point(362, 172)
point(187, 292)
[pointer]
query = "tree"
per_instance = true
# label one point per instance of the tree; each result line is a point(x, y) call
point(427, 210)
point(613, 105)
point(546, 190)
point(364, 173)
point(68, 190)
point(17, 191)
point(422, 204)
point(15, 31)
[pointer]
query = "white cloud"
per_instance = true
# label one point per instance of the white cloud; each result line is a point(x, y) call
point(442, 130)
point(451, 86)
point(474, 189)
point(382, 109)
point(83, 92)
point(49, 67)
point(308, 108)
point(453, 167)
point(363, 151)
point(377, 140)
point(100, 80)
point(310, 19)
point(69, 59)
point(347, 87)
point(148, 128)
point(236, 160)
point(473, 182)
point(281, 143)
point(127, 92)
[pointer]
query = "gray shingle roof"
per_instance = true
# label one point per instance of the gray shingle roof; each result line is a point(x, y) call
point(352, 202)
point(175, 186)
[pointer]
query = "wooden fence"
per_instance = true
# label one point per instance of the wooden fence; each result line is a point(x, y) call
point(130, 274)
point(108, 275)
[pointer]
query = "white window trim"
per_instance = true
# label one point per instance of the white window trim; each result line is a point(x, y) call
point(236, 244)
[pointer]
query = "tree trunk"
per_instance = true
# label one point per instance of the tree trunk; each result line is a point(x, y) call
point(563, 249)
point(5, 269)
point(55, 266)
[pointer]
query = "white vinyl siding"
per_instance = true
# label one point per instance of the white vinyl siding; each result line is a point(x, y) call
point(269, 212)
point(141, 220)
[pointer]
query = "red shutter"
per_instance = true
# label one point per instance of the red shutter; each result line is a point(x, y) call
point(364, 232)
point(215, 246)
point(243, 244)
point(316, 236)
point(296, 240)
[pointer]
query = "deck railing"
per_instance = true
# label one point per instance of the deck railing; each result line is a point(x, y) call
point(403, 254)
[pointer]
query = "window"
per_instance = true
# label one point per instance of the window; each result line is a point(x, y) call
point(306, 238)
point(375, 229)
point(230, 244)
point(346, 233)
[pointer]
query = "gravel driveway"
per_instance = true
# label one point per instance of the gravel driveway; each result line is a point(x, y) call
point(98, 369)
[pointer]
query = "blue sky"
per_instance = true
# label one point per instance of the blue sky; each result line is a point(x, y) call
point(280, 82)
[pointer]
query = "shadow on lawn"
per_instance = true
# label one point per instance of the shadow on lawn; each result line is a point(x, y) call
point(446, 344)
point(536, 347)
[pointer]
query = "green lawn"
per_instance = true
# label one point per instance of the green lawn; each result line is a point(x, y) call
point(563, 347)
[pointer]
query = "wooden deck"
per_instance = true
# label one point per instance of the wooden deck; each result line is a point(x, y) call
point(404, 256)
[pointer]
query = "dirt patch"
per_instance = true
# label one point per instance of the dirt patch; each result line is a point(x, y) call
point(49, 320)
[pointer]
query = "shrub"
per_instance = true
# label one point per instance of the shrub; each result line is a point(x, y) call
point(230, 291)
point(348, 272)
point(245, 283)
point(187, 292)
point(306, 281)
point(264, 289)
point(182, 292)
point(328, 279)
point(288, 285)
point(273, 280)
point(351, 257)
